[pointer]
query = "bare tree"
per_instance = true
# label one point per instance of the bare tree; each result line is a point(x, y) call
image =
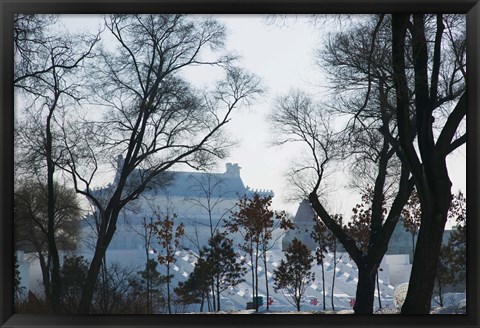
point(114, 294)
point(153, 117)
point(364, 59)
point(29, 34)
point(435, 53)
point(212, 195)
point(299, 119)
point(46, 66)
point(358, 67)
point(326, 242)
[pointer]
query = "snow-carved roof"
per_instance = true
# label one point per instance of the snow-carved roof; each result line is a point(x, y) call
point(203, 185)
point(227, 185)
point(305, 213)
point(304, 221)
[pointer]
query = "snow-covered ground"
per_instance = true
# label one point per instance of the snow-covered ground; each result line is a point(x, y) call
point(343, 293)
point(438, 310)
point(235, 299)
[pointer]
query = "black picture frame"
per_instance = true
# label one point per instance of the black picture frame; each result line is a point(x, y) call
point(9, 7)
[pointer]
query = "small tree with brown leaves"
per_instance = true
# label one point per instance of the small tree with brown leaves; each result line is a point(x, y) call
point(412, 213)
point(255, 222)
point(458, 237)
point(359, 227)
point(169, 241)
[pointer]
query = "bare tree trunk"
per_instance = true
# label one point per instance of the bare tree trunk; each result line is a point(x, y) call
point(413, 244)
point(323, 286)
point(209, 303)
point(365, 290)
point(104, 287)
point(218, 294)
point(45, 275)
point(56, 289)
point(430, 171)
point(252, 269)
point(335, 275)
point(266, 277)
point(147, 253)
point(91, 280)
point(256, 281)
point(378, 291)
point(168, 290)
point(212, 286)
point(427, 251)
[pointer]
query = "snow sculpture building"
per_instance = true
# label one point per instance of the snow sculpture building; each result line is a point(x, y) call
point(199, 200)
point(304, 222)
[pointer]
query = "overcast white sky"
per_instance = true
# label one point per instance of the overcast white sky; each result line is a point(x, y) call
point(283, 57)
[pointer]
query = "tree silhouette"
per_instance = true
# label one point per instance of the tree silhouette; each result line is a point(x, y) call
point(198, 285)
point(151, 283)
point(73, 275)
point(225, 271)
point(32, 217)
point(299, 119)
point(294, 273)
point(434, 50)
point(326, 242)
point(47, 73)
point(148, 116)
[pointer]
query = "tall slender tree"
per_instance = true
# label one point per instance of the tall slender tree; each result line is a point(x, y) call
point(436, 46)
point(273, 230)
point(48, 67)
point(254, 221)
point(168, 238)
point(299, 119)
point(325, 242)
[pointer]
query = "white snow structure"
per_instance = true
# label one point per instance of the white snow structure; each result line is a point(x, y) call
point(199, 200)
point(304, 222)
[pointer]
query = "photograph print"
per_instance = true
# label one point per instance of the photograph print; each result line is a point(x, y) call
point(240, 164)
